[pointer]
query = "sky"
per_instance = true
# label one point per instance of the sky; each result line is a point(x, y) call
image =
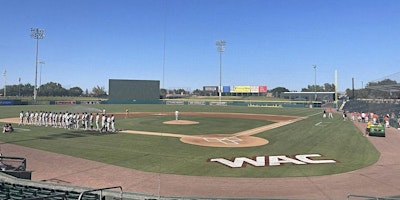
point(273, 43)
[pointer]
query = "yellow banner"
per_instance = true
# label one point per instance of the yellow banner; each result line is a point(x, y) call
point(242, 89)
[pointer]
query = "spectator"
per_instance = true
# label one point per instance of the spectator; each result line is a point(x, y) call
point(387, 121)
point(344, 115)
point(398, 121)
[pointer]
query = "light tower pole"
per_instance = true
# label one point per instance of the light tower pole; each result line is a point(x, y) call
point(37, 34)
point(19, 85)
point(220, 48)
point(40, 77)
point(315, 82)
point(5, 76)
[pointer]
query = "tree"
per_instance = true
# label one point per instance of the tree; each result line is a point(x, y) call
point(375, 90)
point(99, 91)
point(75, 91)
point(327, 87)
point(52, 89)
point(198, 92)
point(163, 92)
point(27, 90)
point(16, 90)
point(86, 92)
point(180, 91)
point(276, 92)
point(358, 94)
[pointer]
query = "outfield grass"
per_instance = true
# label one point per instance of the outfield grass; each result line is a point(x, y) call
point(207, 125)
point(334, 139)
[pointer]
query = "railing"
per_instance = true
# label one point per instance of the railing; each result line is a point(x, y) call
point(8, 163)
point(372, 197)
point(101, 191)
point(64, 196)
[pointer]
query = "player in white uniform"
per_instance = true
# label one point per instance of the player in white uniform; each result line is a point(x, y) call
point(32, 117)
point(112, 123)
point(97, 121)
point(103, 123)
point(91, 121)
point(36, 118)
point(108, 122)
point(27, 115)
point(55, 119)
point(21, 118)
point(85, 120)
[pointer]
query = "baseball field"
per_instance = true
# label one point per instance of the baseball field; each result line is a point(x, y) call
point(224, 141)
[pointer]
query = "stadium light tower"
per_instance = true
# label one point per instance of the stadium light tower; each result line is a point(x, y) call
point(19, 85)
point(220, 48)
point(315, 82)
point(37, 34)
point(5, 76)
point(40, 77)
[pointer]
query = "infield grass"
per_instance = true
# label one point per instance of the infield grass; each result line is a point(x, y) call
point(333, 138)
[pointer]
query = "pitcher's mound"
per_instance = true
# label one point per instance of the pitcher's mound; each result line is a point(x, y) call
point(225, 140)
point(180, 122)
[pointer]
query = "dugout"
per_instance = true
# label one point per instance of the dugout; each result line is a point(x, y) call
point(133, 91)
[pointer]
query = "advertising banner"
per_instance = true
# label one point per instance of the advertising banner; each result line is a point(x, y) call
point(6, 102)
point(263, 89)
point(210, 88)
point(254, 89)
point(241, 89)
point(175, 103)
point(64, 102)
point(238, 89)
point(226, 89)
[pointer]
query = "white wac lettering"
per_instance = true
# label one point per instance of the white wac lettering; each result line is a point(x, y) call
point(238, 162)
point(278, 160)
point(305, 158)
point(260, 161)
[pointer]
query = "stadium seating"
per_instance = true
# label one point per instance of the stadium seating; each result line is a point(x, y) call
point(380, 107)
point(18, 191)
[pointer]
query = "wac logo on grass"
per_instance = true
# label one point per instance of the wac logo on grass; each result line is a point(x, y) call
point(263, 161)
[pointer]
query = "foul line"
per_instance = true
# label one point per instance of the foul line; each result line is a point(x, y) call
point(155, 133)
point(241, 133)
point(266, 128)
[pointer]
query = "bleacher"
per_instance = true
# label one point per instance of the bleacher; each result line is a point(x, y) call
point(12, 188)
point(15, 183)
point(18, 191)
point(376, 106)
point(23, 189)
point(29, 192)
